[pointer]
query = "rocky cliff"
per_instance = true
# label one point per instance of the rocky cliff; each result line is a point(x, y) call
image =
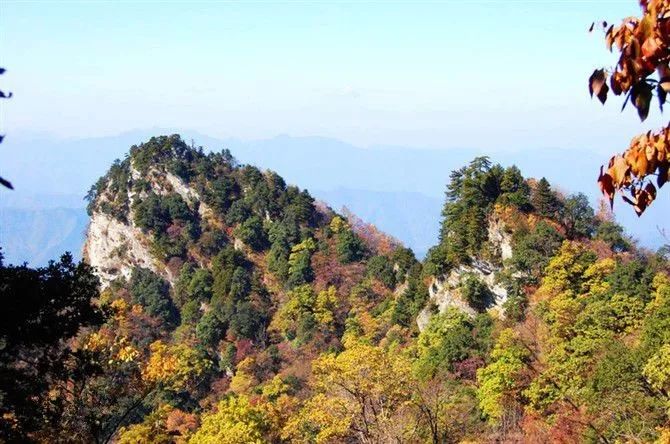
point(445, 291)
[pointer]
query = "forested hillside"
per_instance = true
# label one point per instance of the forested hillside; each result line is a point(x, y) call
point(234, 308)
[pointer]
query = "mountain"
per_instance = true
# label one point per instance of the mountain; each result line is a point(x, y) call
point(233, 307)
point(38, 236)
point(382, 177)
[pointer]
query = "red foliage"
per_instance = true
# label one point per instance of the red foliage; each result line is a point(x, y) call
point(467, 369)
point(329, 271)
point(244, 347)
point(174, 230)
point(375, 240)
point(174, 265)
point(142, 328)
point(568, 427)
point(181, 423)
point(217, 390)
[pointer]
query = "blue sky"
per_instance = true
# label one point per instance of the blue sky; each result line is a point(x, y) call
point(489, 74)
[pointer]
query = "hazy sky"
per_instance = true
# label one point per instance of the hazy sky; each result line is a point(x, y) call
point(487, 74)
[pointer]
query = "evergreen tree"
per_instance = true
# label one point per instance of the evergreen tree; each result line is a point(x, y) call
point(350, 248)
point(251, 232)
point(471, 194)
point(544, 199)
point(578, 217)
point(515, 191)
point(152, 292)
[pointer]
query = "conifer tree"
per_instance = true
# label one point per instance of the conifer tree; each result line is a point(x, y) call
point(544, 199)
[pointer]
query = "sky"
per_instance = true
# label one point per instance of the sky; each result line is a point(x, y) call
point(493, 75)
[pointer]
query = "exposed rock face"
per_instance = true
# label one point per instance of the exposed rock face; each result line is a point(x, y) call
point(444, 291)
point(115, 248)
point(500, 237)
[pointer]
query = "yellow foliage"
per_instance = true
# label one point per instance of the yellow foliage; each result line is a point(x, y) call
point(127, 353)
point(301, 303)
point(664, 436)
point(364, 387)
point(657, 369)
point(595, 276)
point(150, 431)
point(235, 422)
point(96, 342)
point(565, 268)
point(119, 307)
point(114, 349)
point(324, 306)
point(275, 388)
point(322, 419)
point(661, 284)
point(338, 224)
point(174, 366)
point(244, 380)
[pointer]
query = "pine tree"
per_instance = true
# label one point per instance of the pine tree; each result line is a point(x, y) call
point(544, 200)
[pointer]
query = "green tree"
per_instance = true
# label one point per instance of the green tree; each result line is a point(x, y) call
point(411, 301)
point(300, 269)
point(152, 292)
point(532, 251)
point(475, 292)
point(544, 199)
point(612, 234)
point(251, 232)
point(578, 217)
point(223, 192)
point(43, 310)
point(502, 381)
point(471, 193)
point(381, 268)
point(447, 339)
point(514, 189)
point(349, 246)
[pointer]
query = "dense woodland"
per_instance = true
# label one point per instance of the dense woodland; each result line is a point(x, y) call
point(271, 318)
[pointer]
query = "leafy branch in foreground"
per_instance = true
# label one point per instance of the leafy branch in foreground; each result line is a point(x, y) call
point(644, 47)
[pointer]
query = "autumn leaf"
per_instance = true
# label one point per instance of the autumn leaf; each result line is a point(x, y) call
point(619, 171)
point(606, 186)
point(643, 198)
point(650, 48)
point(598, 85)
point(650, 190)
point(662, 173)
point(637, 161)
point(641, 97)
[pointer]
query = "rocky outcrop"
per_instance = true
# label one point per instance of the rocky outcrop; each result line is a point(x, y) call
point(444, 291)
point(501, 238)
point(115, 248)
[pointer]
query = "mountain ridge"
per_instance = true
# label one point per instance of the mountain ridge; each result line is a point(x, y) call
point(239, 308)
point(361, 165)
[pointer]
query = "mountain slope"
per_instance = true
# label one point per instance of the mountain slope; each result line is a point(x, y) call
point(246, 275)
point(238, 309)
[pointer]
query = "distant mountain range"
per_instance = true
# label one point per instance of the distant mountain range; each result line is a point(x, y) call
point(399, 189)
